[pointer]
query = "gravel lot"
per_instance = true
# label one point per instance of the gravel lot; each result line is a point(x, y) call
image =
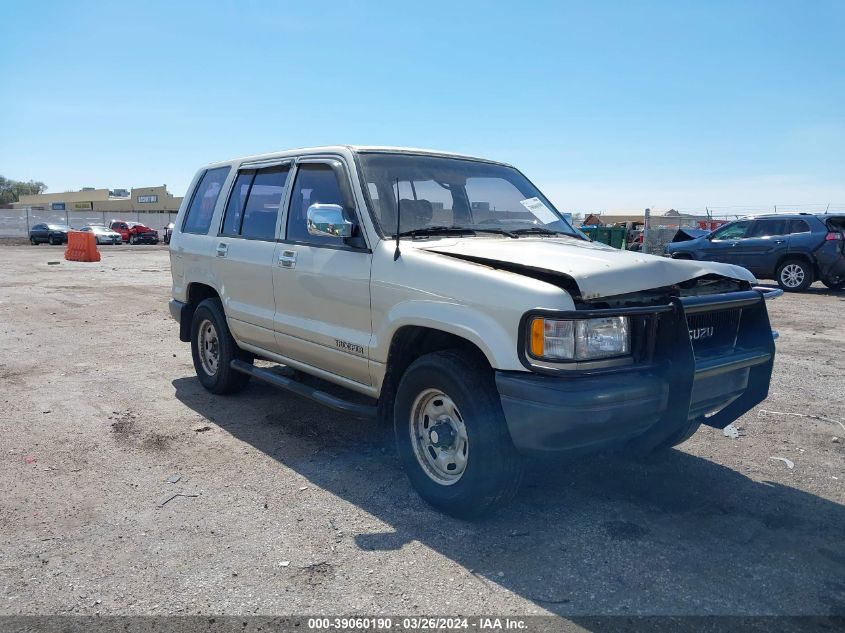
point(289, 508)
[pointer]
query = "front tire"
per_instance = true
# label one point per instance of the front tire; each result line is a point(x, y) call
point(452, 437)
point(213, 349)
point(794, 275)
point(33, 241)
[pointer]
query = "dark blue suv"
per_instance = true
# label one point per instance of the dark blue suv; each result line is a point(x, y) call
point(794, 249)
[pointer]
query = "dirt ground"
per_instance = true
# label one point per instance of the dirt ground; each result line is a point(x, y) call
point(285, 507)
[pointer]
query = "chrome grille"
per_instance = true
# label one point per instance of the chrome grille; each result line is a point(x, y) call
point(714, 332)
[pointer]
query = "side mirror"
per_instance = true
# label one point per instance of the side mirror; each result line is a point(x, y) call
point(326, 220)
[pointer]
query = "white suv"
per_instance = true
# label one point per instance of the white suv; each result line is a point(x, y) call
point(478, 322)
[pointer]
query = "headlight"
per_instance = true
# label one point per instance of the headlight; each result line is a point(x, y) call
point(581, 339)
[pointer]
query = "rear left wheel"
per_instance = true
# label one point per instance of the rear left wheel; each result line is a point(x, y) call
point(213, 349)
point(452, 436)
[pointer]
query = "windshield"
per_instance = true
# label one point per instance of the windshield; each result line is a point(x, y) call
point(440, 192)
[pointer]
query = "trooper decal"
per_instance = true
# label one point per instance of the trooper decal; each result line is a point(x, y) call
point(346, 346)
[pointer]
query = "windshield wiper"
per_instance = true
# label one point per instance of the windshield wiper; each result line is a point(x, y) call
point(435, 230)
point(446, 230)
point(539, 230)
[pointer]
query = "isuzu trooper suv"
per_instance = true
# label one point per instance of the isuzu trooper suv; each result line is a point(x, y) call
point(449, 298)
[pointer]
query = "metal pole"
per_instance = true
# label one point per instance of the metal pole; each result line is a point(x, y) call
point(646, 230)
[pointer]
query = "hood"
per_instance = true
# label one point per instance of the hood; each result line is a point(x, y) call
point(597, 269)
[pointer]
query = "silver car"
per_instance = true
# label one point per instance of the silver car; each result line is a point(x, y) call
point(102, 234)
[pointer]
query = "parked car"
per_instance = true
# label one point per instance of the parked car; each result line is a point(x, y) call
point(794, 249)
point(103, 234)
point(134, 232)
point(49, 233)
point(446, 296)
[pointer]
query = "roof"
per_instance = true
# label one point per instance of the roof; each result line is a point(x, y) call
point(330, 149)
point(767, 216)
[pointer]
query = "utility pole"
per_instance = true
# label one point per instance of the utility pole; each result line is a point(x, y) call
point(646, 230)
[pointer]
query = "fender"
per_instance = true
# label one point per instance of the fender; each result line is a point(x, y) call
point(493, 338)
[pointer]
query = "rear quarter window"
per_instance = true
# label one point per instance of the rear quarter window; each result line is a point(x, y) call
point(203, 201)
point(798, 226)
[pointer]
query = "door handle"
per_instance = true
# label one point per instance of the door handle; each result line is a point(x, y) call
point(287, 259)
point(222, 249)
point(779, 241)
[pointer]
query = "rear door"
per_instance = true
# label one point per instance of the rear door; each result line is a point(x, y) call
point(322, 284)
point(244, 249)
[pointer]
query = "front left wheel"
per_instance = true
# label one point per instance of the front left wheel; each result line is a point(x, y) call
point(213, 349)
point(452, 437)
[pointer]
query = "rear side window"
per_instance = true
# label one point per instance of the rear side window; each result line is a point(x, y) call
point(798, 226)
point(768, 228)
point(253, 207)
point(198, 217)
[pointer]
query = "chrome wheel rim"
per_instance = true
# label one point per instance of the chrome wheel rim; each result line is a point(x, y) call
point(439, 437)
point(792, 275)
point(209, 347)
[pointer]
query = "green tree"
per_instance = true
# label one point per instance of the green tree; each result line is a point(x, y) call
point(12, 190)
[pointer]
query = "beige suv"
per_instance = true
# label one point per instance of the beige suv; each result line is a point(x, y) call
point(472, 317)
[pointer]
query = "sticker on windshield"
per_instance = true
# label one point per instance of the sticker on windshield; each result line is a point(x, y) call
point(540, 210)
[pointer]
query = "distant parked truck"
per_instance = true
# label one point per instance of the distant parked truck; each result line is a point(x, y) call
point(134, 232)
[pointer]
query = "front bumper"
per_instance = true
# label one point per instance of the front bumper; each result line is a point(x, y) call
point(654, 398)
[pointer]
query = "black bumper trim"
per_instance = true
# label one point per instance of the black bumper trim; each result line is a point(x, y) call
point(644, 405)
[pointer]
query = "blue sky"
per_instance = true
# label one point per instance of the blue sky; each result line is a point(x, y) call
point(605, 105)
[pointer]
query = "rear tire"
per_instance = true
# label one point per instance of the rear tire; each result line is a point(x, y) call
point(213, 349)
point(452, 437)
point(794, 275)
